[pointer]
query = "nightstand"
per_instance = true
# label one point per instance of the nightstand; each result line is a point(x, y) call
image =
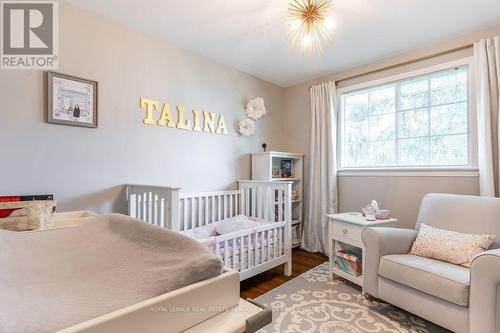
point(344, 230)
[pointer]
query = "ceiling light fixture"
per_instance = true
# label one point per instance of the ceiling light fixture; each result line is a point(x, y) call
point(310, 25)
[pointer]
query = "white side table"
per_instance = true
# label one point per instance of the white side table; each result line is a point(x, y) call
point(346, 228)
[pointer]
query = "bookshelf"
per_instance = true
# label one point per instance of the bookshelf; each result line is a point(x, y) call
point(263, 165)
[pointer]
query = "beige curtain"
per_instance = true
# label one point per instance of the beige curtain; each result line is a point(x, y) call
point(322, 178)
point(487, 62)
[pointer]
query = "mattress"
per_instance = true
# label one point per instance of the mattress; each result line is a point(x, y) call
point(52, 279)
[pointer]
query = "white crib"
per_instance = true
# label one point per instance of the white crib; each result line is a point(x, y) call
point(250, 251)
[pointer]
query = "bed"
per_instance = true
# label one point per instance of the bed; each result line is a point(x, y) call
point(249, 251)
point(111, 273)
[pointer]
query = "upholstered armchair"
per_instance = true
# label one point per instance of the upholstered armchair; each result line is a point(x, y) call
point(455, 297)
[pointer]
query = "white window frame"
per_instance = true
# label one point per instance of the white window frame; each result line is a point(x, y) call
point(471, 170)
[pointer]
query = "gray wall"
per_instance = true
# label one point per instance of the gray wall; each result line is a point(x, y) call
point(85, 168)
point(400, 194)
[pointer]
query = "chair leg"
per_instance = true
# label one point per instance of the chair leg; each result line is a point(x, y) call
point(370, 298)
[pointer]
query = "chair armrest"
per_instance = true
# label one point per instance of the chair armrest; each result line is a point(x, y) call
point(484, 296)
point(379, 242)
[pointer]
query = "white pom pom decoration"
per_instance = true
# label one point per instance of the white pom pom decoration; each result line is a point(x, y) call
point(246, 127)
point(256, 108)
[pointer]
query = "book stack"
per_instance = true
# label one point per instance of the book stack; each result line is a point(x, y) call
point(26, 212)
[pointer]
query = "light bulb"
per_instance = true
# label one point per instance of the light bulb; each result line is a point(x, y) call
point(329, 24)
point(296, 23)
point(306, 40)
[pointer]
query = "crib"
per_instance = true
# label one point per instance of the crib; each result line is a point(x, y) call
point(250, 251)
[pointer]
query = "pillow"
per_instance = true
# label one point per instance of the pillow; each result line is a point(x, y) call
point(259, 220)
point(204, 232)
point(234, 224)
point(450, 246)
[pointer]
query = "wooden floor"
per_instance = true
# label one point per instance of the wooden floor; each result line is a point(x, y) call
point(302, 261)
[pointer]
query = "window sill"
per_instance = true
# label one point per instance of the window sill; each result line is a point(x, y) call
point(409, 172)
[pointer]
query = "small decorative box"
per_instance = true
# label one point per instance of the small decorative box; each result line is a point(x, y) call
point(383, 214)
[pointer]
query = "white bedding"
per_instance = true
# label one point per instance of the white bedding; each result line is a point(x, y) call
point(208, 234)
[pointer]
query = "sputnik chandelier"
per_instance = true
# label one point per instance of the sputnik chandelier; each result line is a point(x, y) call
point(310, 25)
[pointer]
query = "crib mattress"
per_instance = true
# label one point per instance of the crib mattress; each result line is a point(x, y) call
point(56, 278)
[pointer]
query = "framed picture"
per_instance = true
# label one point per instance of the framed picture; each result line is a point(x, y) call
point(71, 100)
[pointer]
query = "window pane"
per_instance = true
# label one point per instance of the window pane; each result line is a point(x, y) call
point(449, 150)
point(383, 153)
point(449, 119)
point(414, 94)
point(413, 123)
point(449, 87)
point(413, 152)
point(383, 127)
point(356, 143)
point(356, 106)
point(383, 100)
point(422, 121)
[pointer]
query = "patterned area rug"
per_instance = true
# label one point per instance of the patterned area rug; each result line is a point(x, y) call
point(313, 303)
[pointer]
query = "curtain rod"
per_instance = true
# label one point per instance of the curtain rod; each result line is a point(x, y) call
point(403, 63)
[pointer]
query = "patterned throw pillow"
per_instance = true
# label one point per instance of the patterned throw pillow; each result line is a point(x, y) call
point(450, 246)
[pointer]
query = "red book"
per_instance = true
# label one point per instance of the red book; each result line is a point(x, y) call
point(10, 198)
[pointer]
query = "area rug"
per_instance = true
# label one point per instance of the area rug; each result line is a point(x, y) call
point(312, 303)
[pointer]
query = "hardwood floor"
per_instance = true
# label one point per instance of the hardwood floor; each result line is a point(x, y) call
point(302, 261)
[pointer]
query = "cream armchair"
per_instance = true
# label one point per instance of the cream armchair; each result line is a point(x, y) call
point(457, 298)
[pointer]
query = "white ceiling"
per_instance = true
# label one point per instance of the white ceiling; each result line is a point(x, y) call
point(251, 35)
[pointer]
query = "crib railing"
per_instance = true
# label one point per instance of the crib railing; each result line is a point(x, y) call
point(157, 205)
point(270, 201)
point(199, 209)
point(252, 251)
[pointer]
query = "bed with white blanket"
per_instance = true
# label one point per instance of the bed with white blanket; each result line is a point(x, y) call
point(102, 270)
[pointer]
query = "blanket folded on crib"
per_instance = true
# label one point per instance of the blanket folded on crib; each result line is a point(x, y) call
point(53, 279)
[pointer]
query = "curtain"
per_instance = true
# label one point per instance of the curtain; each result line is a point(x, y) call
point(322, 178)
point(487, 62)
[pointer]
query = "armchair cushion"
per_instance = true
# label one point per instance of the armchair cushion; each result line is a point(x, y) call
point(437, 278)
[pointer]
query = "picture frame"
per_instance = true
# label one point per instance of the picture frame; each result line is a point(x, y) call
point(71, 100)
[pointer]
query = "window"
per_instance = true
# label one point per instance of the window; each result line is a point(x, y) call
point(418, 122)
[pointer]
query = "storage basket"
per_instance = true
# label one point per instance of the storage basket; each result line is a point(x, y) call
point(349, 261)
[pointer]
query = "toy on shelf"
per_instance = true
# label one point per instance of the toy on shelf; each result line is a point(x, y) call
point(286, 168)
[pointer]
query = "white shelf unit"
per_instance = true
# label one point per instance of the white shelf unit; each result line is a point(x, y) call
point(262, 169)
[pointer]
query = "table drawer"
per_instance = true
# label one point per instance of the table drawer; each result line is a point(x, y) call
point(343, 230)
